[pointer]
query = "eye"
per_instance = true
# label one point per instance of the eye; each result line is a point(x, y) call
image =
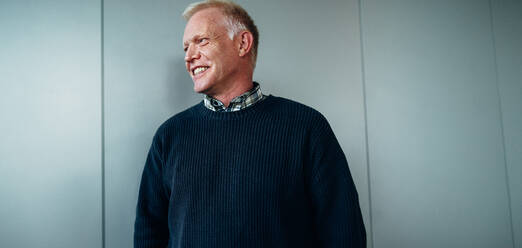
point(203, 40)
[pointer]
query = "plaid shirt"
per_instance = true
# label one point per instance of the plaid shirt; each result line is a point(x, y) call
point(240, 102)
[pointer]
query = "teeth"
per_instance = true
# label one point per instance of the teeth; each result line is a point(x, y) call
point(200, 70)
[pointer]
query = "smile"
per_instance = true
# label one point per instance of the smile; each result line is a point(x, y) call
point(199, 70)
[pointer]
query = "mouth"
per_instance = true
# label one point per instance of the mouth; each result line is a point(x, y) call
point(199, 70)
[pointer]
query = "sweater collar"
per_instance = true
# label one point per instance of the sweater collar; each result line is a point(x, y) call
point(240, 102)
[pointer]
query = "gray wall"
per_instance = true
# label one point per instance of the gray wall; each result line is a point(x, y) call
point(425, 98)
point(50, 128)
point(434, 125)
point(507, 27)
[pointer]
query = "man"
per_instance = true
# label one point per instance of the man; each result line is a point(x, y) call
point(241, 169)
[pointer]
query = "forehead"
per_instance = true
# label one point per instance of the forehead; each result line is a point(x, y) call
point(204, 22)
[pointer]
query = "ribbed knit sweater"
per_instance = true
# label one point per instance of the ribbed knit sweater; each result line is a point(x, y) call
point(271, 175)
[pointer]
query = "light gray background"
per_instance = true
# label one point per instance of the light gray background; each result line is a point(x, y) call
point(425, 98)
point(50, 124)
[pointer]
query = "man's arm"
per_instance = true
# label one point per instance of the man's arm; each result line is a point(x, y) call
point(150, 228)
point(337, 213)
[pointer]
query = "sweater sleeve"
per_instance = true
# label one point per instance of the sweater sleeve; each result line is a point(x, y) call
point(151, 228)
point(337, 214)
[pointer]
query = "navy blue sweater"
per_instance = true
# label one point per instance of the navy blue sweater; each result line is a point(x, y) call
point(271, 175)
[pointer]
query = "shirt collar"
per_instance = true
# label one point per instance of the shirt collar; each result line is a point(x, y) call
point(240, 102)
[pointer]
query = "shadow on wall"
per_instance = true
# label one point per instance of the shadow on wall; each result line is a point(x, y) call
point(180, 86)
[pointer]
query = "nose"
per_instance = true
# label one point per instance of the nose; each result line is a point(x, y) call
point(191, 53)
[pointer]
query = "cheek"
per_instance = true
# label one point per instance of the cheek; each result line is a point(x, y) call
point(206, 50)
point(213, 51)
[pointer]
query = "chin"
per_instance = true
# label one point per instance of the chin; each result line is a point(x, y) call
point(201, 87)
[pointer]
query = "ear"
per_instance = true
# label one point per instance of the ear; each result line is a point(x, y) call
point(246, 40)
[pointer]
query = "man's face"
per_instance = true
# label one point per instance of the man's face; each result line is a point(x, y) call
point(210, 56)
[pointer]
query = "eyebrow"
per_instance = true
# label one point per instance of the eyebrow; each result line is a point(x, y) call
point(193, 38)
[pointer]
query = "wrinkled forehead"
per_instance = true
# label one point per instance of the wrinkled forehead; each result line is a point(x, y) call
point(204, 23)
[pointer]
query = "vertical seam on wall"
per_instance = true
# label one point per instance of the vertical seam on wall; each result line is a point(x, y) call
point(501, 116)
point(102, 123)
point(363, 77)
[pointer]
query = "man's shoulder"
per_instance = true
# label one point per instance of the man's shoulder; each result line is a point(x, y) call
point(296, 109)
point(178, 120)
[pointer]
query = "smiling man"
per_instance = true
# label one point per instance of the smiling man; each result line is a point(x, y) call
point(242, 169)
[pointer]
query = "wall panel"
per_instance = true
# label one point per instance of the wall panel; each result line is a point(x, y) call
point(507, 26)
point(50, 108)
point(310, 54)
point(435, 139)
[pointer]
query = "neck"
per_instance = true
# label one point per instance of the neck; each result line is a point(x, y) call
point(233, 92)
point(237, 87)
